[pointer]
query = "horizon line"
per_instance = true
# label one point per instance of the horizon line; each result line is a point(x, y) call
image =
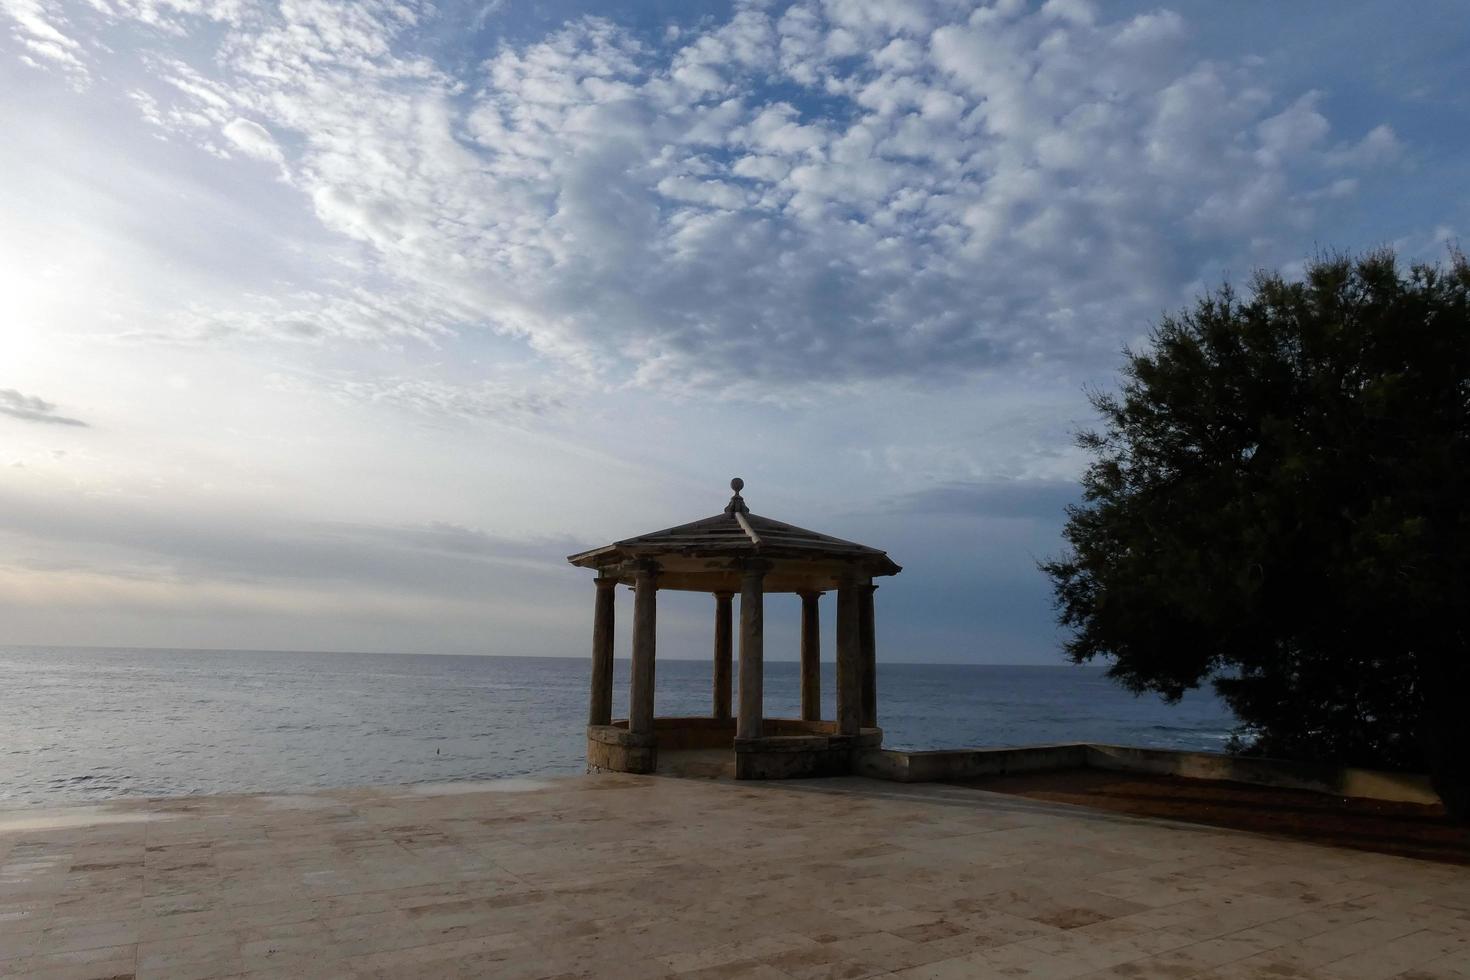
point(501, 656)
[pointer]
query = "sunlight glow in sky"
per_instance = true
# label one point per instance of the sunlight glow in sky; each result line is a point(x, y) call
point(338, 325)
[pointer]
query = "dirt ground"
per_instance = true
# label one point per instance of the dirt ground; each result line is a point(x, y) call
point(1406, 829)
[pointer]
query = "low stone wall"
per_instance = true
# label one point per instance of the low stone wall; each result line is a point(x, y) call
point(789, 748)
point(694, 733)
point(801, 750)
point(797, 726)
point(1401, 787)
point(959, 765)
point(795, 749)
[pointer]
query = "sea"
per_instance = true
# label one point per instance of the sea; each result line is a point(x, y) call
point(91, 724)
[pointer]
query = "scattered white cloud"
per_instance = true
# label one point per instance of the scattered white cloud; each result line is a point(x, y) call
point(1379, 147)
point(1293, 132)
point(815, 192)
point(37, 25)
point(469, 278)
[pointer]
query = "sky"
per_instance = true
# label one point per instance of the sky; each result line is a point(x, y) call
point(337, 326)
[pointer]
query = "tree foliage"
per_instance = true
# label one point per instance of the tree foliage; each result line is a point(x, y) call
point(1279, 502)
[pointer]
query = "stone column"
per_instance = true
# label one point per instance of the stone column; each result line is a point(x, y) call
point(724, 630)
point(645, 623)
point(599, 712)
point(752, 639)
point(849, 660)
point(811, 659)
point(869, 642)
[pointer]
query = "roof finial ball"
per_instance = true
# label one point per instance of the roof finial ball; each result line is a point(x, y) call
point(737, 502)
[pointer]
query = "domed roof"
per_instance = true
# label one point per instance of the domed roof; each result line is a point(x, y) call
point(712, 544)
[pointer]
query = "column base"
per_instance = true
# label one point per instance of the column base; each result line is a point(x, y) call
point(616, 749)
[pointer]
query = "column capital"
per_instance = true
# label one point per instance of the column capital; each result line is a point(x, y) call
point(604, 582)
point(723, 594)
point(869, 586)
point(644, 567)
point(753, 567)
point(811, 593)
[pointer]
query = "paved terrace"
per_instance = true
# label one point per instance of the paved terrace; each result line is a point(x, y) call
point(642, 877)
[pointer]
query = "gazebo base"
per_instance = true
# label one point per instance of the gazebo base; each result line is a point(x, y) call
point(619, 750)
point(788, 748)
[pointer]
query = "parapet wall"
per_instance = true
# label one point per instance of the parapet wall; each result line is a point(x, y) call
point(792, 748)
point(789, 748)
point(960, 765)
point(802, 750)
point(1400, 787)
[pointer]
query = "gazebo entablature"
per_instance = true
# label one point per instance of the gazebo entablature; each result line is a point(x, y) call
point(738, 552)
point(697, 573)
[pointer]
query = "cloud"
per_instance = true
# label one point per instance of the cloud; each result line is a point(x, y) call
point(37, 26)
point(1379, 147)
point(81, 568)
point(32, 409)
point(254, 139)
point(445, 538)
point(507, 401)
point(815, 193)
point(1043, 500)
point(164, 542)
point(379, 315)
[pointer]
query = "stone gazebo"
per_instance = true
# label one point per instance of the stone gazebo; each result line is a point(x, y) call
point(739, 552)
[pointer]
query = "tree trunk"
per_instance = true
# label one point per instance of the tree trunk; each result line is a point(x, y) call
point(1447, 733)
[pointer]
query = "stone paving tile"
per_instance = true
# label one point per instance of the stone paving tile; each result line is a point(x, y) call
point(90, 935)
point(88, 964)
point(212, 955)
point(1455, 966)
point(620, 876)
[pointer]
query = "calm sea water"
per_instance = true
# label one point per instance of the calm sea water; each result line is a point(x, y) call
point(91, 724)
